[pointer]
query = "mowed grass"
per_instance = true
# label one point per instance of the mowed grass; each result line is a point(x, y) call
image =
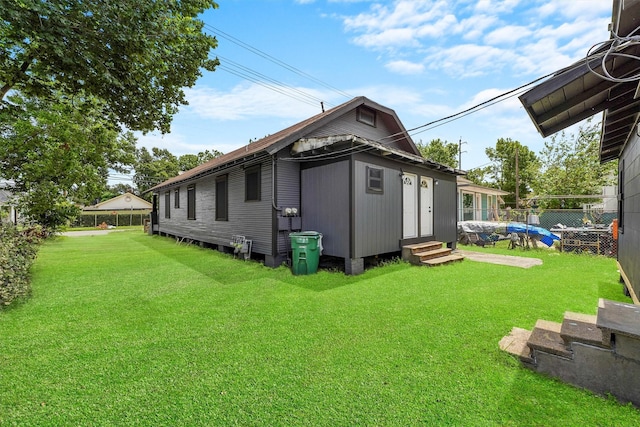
point(128, 329)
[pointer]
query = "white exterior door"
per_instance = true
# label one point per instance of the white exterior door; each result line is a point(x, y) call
point(409, 205)
point(426, 206)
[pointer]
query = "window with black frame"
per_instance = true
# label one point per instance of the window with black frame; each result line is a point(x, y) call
point(191, 202)
point(222, 198)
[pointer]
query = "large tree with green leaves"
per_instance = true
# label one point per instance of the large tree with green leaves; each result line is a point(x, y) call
point(58, 154)
point(159, 164)
point(570, 165)
point(136, 56)
point(439, 151)
point(512, 162)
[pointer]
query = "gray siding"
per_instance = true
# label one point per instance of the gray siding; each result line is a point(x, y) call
point(445, 209)
point(347, 124)
point(251, 219)
point(378, 217)
point(288, 194)
point(629, 239)
point(325, 205)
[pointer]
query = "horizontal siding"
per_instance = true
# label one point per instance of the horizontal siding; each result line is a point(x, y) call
point(347, 124)
point(288, 194)
point(251, 219)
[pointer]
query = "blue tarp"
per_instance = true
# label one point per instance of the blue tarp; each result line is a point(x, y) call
point(546, 236)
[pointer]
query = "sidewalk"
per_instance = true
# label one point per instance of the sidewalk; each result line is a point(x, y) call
point(510, 260)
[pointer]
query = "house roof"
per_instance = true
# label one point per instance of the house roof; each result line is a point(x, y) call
point(580, 91)
point(271, 144)
point(467, 184)
point(124, 201)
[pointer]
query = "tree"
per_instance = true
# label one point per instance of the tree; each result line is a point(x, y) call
point(159, 165)
point(59, 153)
point(154, 167)
point(190, 161)
point(503, 157)
point(571, 166)
point(439, 151)
point(134, 55)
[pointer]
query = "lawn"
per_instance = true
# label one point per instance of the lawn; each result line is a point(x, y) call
point(128, 329)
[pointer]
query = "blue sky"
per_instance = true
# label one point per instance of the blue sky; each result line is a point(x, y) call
point(424, 59)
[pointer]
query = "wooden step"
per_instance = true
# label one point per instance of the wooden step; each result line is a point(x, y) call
point(442, 260)
point(516, 344)
point(546, 337)
point(578, 327)
point(425, 255)
point(422, 247)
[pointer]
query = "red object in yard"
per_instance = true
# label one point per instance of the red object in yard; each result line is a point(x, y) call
point(614, 229)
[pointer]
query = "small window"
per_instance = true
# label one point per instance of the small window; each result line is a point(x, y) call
point(252, 184)
point(367, 116)
point(375, 180)
point(191, 202)
point(176, 198)
point(222, 199)
point(167, 204)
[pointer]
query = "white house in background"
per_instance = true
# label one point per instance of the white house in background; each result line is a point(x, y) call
point(126, 205)
point(123, 202)
point(7, 209)
point(477, 202)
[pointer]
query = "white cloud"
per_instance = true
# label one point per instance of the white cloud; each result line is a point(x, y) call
point(466, 60)
point(507, 35)
point(574, 9)
point(404, 67)
point(496, 6)
point(252, 100)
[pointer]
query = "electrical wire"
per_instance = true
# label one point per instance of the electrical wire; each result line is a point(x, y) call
point(614, 48)
point(256, 51)
point(259, 78)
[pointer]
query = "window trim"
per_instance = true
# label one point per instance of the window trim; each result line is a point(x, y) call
point(191, 202)
point(367, 115)
point(222, 179)
point(167, 204)
point(176, 198)
point(250, 171)
point(369, 178)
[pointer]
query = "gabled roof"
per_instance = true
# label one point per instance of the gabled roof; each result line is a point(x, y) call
point(578, 92)
point(273, 143)
point(467, 184)
point(122, 202)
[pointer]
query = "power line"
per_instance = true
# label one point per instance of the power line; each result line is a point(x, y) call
point(266, 81)
point(275, 60)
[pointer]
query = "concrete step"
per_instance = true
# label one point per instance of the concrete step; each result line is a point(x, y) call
point(516, 344)
point(578, 327)
point(435, 253)
point(546, 337)
point(447, 259)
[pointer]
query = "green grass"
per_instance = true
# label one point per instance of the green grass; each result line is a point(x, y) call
point(128, 329)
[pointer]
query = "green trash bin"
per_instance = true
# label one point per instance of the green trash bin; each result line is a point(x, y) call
point(306, 247)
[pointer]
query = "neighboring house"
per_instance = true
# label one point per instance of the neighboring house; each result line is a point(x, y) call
point(576, 93)
point(477, 202)
point(7, 209)
point(351, 173)
point(598, 352)
point(127, 204)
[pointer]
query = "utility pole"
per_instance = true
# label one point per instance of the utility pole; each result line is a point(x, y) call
point(460, 142)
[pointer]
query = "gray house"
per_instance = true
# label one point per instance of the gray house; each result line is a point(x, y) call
point(351, 173)
point(582, 90)
point(598, 352)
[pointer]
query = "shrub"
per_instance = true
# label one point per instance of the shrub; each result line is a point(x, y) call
point(18, 251)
